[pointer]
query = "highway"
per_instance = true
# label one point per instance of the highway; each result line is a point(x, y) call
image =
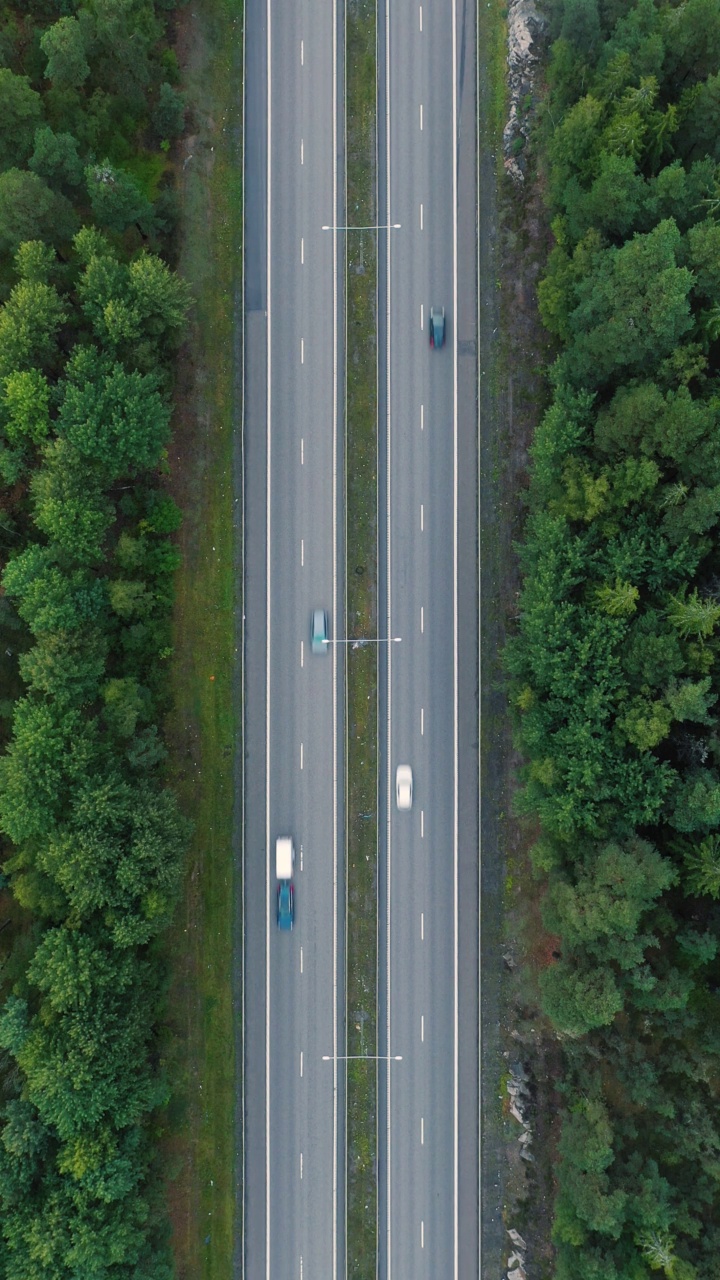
point(420, 1165)
point(292, 1190)
point(294, 981)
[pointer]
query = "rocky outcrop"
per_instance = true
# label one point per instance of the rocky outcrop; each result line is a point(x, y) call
point(525, 25)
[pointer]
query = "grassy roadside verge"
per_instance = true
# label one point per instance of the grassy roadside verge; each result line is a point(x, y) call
point(361, 577)
point(200, 1145)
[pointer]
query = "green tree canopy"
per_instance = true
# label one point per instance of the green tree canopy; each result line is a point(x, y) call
point(116, 199)
point(20, 112)
point(29, 324)
point(29, 210)
point(578, 1000)
point(632, 309)
point(69, 505)
point(57, 160)
point(111, 416)
point(65, 46)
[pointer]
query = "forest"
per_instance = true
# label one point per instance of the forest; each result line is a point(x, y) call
point(615, 664)
point(92, 840)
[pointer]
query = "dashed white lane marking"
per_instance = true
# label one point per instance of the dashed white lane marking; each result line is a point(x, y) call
point(422, 1131)
point(302, 653)
point(302, 150)
point(301, 1171)
point(422, 517)
point(421, 117)
point(302, 251)
point(302, 350)
point(301, 756)
point(422, 417)
point(422, 722)
point(422, 316)
point(302, 53)
point(301, 969)
point(422, 824)
point(421, 17)
point(302, 451)
point(422, 926)
point(422, 1235)
point(421, 217)
point(422, 619)
point(301, 857)
point(422, 1027)
point(301, 1052)
point(302, 553)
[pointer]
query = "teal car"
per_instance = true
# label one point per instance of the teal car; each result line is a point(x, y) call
point(319, 631)
point(285, 905)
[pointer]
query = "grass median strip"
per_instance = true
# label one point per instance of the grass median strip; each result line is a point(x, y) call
point(361, 461)
point(200, 1146)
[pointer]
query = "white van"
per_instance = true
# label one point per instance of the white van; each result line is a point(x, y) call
point(284, 857)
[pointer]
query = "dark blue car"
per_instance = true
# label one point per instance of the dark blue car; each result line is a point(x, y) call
point(437, 327)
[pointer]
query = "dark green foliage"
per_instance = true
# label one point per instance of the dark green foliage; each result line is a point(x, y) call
point(109, 415)
point(117, 201)
point(614, 667)
point(93, 838)
point(169, 114)
point(65, 46)
point(29, 210)
point(56, 158)
point(20, 113)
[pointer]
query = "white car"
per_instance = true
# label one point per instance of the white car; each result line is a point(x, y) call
point(403, 786)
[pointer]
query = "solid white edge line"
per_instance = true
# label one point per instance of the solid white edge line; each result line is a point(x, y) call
point(388, 818)
point(335, 647)
point(345, 614)
point(479, 765)
point(455, 632)
point(243, 849)
point(268, 492)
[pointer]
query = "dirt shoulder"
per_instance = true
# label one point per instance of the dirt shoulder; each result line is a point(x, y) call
point(519, 1060)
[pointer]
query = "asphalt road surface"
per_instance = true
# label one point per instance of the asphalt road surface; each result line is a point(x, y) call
point(428, 698)
point(294, 981)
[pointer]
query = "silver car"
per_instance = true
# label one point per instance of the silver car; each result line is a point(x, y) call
point(403, 786)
